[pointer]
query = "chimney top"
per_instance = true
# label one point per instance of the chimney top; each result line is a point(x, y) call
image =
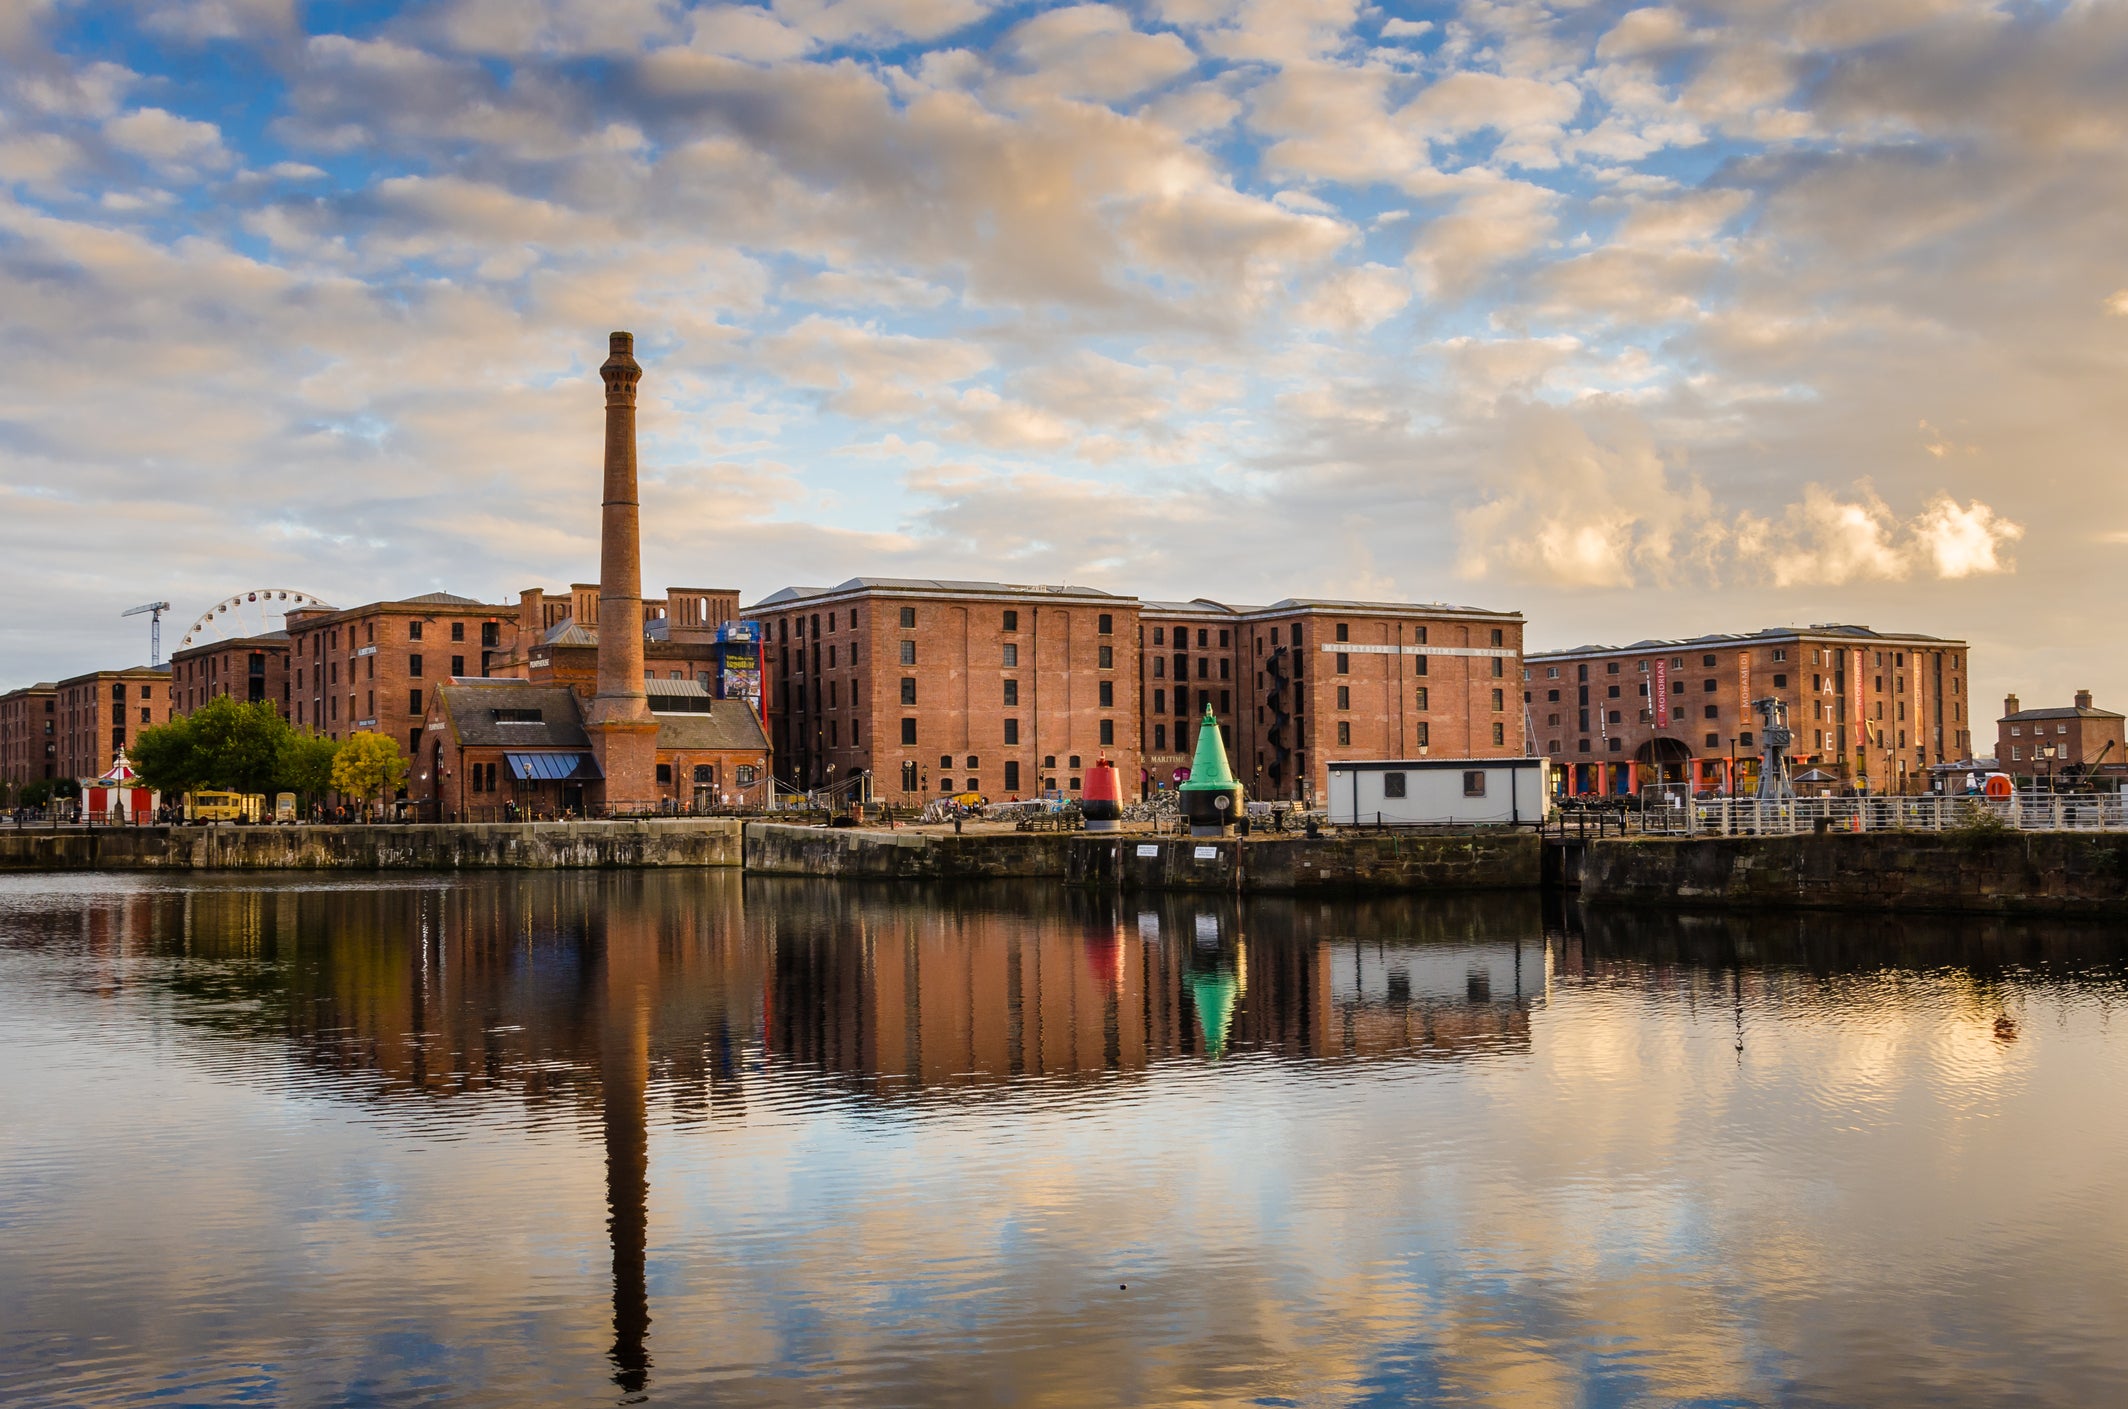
point(2009, 704)
point(620, 343)
point(2083, 699)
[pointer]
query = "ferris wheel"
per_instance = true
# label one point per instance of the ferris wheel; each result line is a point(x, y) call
point(249, 614)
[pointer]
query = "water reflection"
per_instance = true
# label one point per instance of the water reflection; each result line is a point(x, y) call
point(874, 1045)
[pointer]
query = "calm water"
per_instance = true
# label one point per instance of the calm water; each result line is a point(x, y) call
point(582, 1139)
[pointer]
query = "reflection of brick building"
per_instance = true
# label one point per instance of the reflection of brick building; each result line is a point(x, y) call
point(29, 735)
point(947, 687)
point(2079, 736)
point(99, 712)
point(369, 669)
point(1306, 682)
point(1865, 706)
point(250, 670)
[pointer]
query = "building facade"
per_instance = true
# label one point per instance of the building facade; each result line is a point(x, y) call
point(1872, 709)
point(29, 737)
point(937, 688)
point(371, 669)
point(1307, 682)
point(97, 714)
point(250, 670)
point(503, 748)
point(2075, 742)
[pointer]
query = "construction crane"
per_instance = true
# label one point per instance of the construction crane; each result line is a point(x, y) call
point(155, 612)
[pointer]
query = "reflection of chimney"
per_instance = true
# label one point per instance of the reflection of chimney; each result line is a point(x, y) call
point(630, 967)
point(2083, 699)
point(2009, 704)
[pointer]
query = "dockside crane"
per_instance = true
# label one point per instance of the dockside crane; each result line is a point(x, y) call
point(155, 612)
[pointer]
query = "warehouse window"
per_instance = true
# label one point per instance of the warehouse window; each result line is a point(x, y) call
point(1344, 697)
point(1392, 785)
point(1107, 690)
point(1012, 655)
point(1012, 731)
point(1012, 621)
point(1106, 659)
point(908, 689)
point(1344, 731)
point(908, 653)
point(1418, 665)
point(1012, 692)
point(1160, 736)
point(1419, 700)
point(908, 618)
point(1499, 734)
point(1344, 663)
point(1105, 624)
point(1344, 632)
point(908, 731)
point(1474, 783)
point(1108, 731)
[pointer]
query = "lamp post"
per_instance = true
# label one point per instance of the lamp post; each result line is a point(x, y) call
point(2047, 751)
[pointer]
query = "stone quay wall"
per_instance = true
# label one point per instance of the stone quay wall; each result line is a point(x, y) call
point(2064, 873)
point(427, 847)
point(1479, 861)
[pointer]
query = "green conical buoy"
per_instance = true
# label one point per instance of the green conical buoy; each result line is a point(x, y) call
point(1211, 799)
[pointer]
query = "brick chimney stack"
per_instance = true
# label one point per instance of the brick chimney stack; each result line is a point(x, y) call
point(623, 733)
point(2083, 699)
point(2009, 704)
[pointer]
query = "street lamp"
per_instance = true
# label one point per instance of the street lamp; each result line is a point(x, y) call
point(2047, 751)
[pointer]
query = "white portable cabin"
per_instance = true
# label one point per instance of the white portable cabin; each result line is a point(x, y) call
point(1440, 792)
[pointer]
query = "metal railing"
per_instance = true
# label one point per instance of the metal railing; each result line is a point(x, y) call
point(2027, 812)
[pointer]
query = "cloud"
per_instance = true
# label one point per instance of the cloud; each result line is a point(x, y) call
point(1091, 51)
point(168, 141)
point(1591, 502)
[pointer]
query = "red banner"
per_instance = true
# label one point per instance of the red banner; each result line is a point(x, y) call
point(1661, 703)
point(1854, 702)
point(1743, 689)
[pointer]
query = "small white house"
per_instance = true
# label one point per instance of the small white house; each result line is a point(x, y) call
point(1440, 792)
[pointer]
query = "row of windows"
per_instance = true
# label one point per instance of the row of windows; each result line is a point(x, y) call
point(1011, 733)
point(1008, 620)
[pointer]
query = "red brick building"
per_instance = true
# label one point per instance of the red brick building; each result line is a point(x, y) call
point(1875, 709)
point(370, 669)
point(938, 687)
point(1306, 682)
point(98, 713)
point(556, 641)
point(2058, 743)
point(501, 748)
point(250, 670)
point(29, 737)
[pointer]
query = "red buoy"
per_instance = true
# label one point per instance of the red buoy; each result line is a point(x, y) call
point(1102, 798)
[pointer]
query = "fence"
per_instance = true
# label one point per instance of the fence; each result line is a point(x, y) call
point(2028, 812)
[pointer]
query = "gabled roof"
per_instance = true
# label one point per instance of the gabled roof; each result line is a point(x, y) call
point(2064, 712)
point(445, 599)
point(731, 725)
point(471, 708)
point(930, 586)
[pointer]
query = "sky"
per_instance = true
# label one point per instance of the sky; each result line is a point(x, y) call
point(1640, 321)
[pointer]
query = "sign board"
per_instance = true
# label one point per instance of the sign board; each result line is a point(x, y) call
point(748, 632)
point(1854, 695)
point(1148, 850)
point(1207, 853)
point(1660, 705)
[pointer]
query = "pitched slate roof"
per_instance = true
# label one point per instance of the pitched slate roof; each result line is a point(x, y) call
point(731, 725)
point(471, 707)
point(2061, 712)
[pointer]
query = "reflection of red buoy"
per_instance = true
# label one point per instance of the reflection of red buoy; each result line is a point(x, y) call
point(1999, 785)
point(1102, 798)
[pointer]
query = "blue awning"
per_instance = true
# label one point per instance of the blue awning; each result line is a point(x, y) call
point(553, 767)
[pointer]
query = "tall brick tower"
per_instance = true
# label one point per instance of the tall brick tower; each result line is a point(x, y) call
point(624, 736)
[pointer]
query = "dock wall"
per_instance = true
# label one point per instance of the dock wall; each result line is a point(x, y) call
point(457, 847)
point(2065, 873)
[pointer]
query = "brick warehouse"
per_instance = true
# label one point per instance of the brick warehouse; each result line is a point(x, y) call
point(952, 667)
point(371, 668)
point(98, 713)
point(937, 687)
point(29, 736)
point(1866, 706)
point(1316, 681)
point(250, 670)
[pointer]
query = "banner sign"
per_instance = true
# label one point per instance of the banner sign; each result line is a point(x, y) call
point(1661, 703)
point(740, 631)
point(1743, 689)
point(1854, 698)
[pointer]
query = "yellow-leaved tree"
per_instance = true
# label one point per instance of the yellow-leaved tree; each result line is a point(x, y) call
point(368, 766)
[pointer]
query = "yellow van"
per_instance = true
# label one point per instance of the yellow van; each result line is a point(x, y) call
point(223, 807)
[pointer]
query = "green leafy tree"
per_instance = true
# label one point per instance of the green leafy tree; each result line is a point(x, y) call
point(306, 765)
point(222, 744)
point(368, 766)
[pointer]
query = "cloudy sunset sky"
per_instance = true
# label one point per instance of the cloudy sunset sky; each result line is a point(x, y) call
point(1641, 321)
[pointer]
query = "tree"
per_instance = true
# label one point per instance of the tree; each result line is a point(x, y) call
point(306, 765)
point(368, 766)
point(222, 744)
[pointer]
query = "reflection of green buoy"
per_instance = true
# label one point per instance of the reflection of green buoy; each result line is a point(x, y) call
point(1215, 990)
point(1211, 798)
